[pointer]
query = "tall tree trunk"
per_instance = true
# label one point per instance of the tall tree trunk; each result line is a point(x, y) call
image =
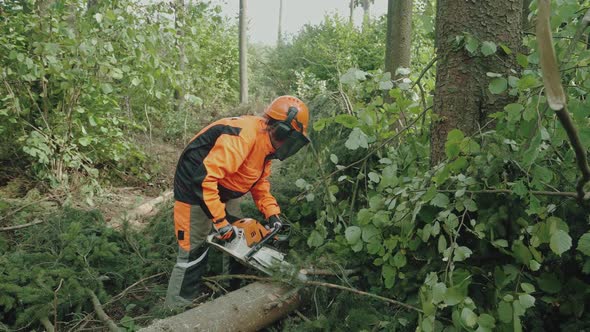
point(179, 25)
point(243, 53)
point(462, 99)
point(280, 35)
point(351, 8)
point(366, 12)
point(399, 33)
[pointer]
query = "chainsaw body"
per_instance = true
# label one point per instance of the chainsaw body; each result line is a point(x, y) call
point(249, 246)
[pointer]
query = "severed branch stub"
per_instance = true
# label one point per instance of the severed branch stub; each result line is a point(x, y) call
point(556, 97)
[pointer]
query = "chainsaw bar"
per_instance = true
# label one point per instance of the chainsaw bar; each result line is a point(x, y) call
point(260, 257)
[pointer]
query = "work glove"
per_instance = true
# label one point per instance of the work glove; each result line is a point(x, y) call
point(275, 221)
point(225, 230)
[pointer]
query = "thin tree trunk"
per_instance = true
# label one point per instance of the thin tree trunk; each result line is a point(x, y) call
point(243, 53)
point(351, 7)
point(280, 34)
point(366, 12)
point(179, 25)
point(399, 33)
point(462, 99)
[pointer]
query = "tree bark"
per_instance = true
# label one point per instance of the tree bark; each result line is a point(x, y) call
point(243, 53)
point(399, 35)
point(462, 99)
point(179, 26)
point(249, 308)
point(351, 8)
point(280, 34)
point(366, 12)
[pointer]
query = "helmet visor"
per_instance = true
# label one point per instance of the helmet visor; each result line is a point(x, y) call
point(294, 142)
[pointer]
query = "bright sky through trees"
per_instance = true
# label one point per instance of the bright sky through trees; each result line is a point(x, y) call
point(263, 26)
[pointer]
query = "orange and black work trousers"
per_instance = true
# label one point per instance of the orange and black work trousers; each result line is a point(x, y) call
point(192, 226)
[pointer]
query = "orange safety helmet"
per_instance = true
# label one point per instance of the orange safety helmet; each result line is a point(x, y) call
point(279, 110)
point(292, 118)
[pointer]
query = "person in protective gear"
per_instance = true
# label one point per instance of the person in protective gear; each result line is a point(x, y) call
point(224, 161)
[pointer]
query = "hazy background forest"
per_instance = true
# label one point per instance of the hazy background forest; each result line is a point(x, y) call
point(440, 169)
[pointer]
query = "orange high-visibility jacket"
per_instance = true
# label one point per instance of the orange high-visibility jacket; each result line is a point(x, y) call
point(225, 160)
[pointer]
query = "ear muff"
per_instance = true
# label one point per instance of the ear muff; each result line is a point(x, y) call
point(284, 128)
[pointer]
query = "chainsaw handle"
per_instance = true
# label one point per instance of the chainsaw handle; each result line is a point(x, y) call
point(259, 245)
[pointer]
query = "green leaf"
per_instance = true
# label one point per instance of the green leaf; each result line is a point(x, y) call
point(560, 242)
point(505, 312)
point(399, 260)
point(353, 234)
point(527, 81)
point(501, 243)
point(453, 296)
point(498, 85)
point(315, 239)
point(106, 88)
point(374, 177)
point(388, 272)
point(441, 200)
point(522, 60)
point(488, 48)
point(514, 111)
point(455, 135)
point(370, 233)
point(526, 300)
point(487, 321)
point(85, 141)
point(438, 292)
point(521, 252)
point(346, 120)
point(356, 139)
point(506, 49)
point(334, 158)
point(528, 288)
point(468, 317)
point(135, 81)
point(442, 243)
point(461, 253)
point(353, 76)
point(471, 44)
point(584, 244)
point(470, 205)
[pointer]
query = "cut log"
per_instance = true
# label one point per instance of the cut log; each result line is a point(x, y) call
point(146, 209)
point(249, 308)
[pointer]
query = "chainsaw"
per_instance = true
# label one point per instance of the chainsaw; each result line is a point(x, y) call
point(250, 246)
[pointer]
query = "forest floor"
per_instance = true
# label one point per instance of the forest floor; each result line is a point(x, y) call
point(23, 199)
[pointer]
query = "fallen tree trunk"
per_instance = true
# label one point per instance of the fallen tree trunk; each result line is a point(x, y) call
point(249, 308)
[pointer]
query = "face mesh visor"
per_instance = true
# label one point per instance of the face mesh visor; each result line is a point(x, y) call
point(294, 142)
